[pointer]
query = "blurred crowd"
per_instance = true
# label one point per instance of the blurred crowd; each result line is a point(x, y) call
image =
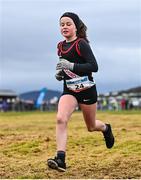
point(17, 104)
point(104, 103)
point(113, 103)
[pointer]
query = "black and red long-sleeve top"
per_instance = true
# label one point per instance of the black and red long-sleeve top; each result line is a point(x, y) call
point(79, 52)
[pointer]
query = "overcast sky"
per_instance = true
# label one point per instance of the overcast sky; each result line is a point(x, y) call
point(29, 33)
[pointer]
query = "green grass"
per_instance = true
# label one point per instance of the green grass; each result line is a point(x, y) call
point(28, 139)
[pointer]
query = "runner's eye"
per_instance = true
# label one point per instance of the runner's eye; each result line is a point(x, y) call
point(62, 24)
point(68, 24)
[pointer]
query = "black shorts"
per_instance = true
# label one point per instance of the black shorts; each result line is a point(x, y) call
point(88, 96)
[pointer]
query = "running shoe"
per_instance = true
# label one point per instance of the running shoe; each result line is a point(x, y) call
point(108, 136)
point(57, 164)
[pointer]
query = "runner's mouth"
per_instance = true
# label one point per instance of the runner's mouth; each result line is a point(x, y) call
point(65, 32)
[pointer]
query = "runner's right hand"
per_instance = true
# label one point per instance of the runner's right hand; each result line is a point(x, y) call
point(59, 75)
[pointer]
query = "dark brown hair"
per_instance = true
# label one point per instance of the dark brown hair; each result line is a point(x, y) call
point(81, 33)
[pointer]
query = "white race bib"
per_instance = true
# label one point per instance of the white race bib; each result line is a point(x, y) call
point(79, 84)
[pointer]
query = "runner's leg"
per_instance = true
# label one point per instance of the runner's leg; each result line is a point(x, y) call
point(89, 113)
point(66, 106)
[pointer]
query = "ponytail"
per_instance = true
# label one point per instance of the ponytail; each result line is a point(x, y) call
point(82, 30)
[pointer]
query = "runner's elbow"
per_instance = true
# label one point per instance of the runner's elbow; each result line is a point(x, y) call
point(95, 69)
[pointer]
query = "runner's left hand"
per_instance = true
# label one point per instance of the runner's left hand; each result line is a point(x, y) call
point(64, 64)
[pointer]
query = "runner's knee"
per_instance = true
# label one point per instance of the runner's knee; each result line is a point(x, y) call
point(91, 128)
point(61, 120)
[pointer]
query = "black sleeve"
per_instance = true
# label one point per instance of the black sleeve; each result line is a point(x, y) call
point(88, 56)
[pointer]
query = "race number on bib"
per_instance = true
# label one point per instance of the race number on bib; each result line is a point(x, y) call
point(79, 84)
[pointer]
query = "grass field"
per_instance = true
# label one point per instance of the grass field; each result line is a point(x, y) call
point(28, 139)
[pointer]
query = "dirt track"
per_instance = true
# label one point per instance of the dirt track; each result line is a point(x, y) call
point(28, 139)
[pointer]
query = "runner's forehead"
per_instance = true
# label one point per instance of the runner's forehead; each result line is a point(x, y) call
point(66, 20)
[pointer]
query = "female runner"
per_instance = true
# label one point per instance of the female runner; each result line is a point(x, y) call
point(75, 67)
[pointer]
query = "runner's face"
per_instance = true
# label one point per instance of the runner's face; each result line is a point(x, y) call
point(68, 28)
